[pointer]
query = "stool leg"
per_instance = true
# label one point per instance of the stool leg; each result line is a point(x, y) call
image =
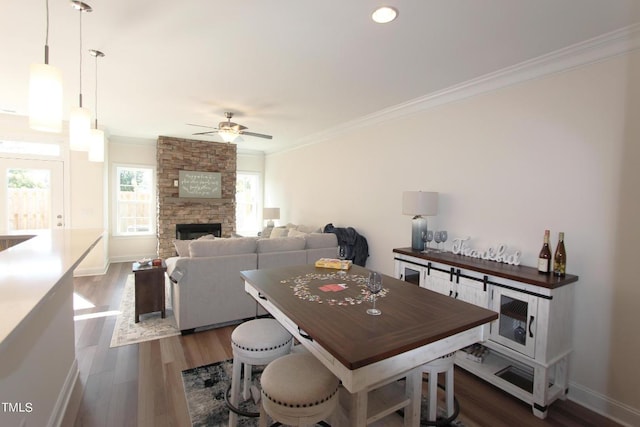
point(246, 393)
point(262, 422)
point(433, 395)
point(235, 383)
point(449, 385)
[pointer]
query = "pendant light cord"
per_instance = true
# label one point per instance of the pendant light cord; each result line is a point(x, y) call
point(46, 37)
point(96, 95)
point(80, 11)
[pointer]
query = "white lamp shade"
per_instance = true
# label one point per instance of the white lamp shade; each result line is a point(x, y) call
point(420, 203)
point(79, 127)
point(271, 213)
point(45, 98)
point(96, 145)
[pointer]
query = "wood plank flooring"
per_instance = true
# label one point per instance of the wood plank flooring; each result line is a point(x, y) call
point(141, 385)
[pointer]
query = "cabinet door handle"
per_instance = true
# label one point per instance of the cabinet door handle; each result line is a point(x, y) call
point(261, 296)
point(530, 324)
point(451, 292)
point(456, 297)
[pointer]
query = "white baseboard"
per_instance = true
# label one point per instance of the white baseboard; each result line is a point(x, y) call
point(604, 405)
point(60, 407)
point(90, 271)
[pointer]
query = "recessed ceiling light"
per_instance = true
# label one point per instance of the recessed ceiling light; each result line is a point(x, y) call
point(384, 14)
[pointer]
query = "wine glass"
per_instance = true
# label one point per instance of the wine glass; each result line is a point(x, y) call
point(425, 239)
point(341, 257)
point(437, 236)
point(443, 237)
point(374, 284)
point(429, 239)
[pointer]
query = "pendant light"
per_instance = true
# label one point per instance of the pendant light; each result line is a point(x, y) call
point(96, 136)
point(45, 92)
point(80, 118)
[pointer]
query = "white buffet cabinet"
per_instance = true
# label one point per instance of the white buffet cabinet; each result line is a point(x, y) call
point(530, 343)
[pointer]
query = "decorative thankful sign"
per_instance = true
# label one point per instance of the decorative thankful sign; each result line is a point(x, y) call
point(461, 247)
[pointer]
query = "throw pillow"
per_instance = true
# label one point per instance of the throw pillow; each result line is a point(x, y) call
point(295, 233)
point(182, 247)
point(266, 232)
point(279, 232)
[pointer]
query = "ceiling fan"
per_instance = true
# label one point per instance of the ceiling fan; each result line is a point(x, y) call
point(228, 130)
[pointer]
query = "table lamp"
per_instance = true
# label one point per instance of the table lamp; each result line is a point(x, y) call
point(419, 203)
point(270, 214)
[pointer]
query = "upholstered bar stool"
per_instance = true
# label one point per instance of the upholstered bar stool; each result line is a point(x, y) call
point(254, 343)
point(433, 368)
point(298, 390)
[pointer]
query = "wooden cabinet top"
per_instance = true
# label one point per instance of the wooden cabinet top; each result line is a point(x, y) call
point(518, 273)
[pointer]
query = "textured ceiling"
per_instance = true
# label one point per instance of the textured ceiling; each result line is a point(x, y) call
point(289, 68)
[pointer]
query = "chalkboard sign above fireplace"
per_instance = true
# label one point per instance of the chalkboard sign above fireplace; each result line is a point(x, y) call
point(203, 185)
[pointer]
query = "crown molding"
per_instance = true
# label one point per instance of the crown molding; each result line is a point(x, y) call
point(590, 51)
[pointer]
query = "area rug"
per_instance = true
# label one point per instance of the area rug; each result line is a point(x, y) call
point(205, 388)
point(151, 326)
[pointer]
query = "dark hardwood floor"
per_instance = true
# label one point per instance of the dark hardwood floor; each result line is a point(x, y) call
point(140, 384)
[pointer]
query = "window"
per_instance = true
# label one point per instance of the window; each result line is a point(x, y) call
point(247, 203)
point(135, 212)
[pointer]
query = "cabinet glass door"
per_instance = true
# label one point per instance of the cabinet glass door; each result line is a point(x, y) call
point(516, 326)
point(410, 273)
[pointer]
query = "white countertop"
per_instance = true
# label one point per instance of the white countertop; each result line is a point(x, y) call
point(30, 271)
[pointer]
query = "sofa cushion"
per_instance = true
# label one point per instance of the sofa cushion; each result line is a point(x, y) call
point(321, 240)
point(281, 244)
point(308, 229)
point(235, 246)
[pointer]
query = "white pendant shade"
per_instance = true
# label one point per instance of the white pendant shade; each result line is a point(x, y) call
point(45, 98)
point(96, 145)
point(79, 127)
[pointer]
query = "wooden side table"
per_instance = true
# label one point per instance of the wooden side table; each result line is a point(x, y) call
point(149, 292)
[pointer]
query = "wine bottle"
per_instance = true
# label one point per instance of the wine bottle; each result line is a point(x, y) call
point(560, 257)
point(544, 258)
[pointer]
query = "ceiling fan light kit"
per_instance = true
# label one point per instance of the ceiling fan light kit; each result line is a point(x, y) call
point(228, 130)
point(384, 14)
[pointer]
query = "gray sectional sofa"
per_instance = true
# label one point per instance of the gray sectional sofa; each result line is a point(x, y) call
point(206, 287)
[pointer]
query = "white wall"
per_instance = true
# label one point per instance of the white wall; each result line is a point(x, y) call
point(130, 151)
point(557, 153)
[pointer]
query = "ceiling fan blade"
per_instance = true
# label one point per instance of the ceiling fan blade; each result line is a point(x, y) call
point(259, 135)
point(205, 133)
point(202, 126)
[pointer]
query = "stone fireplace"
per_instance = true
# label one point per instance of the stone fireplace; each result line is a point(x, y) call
point(176, 154)
point(193, 231)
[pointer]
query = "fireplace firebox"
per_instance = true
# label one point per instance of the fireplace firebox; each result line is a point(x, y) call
point(193, 231)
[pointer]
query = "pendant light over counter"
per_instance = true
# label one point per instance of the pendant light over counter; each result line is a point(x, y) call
point(80, 118)
point(45, 92)
point(96, 139)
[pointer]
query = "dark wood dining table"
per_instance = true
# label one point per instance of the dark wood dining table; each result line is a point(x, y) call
point(325, 310)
